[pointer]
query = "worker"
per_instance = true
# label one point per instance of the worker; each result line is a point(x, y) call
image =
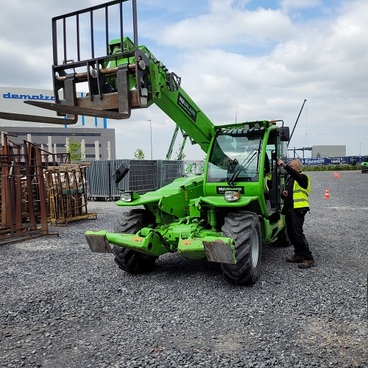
point(295, 195)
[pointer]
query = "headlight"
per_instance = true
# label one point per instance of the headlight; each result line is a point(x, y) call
point(231, 195)
point(126, 196)
point(129, 196)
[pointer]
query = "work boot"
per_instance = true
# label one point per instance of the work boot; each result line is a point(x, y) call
point(294, 259)
point(307, 263)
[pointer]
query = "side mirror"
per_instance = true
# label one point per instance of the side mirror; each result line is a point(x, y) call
point(284, 134)
point(119, 173)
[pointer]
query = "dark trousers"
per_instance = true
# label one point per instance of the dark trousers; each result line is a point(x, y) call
point(294, 226)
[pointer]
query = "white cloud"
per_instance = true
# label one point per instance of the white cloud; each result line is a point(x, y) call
point(227, 25)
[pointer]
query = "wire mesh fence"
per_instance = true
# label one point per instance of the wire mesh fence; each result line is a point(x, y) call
point(143, 176)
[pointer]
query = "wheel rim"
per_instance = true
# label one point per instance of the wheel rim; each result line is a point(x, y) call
point(254, 249)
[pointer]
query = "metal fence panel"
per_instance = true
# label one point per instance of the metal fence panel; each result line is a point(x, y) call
point(115, 189)
point(170, 170)
point(99, 180)
point(143, 176)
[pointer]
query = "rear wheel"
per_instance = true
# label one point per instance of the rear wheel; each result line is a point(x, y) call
point(244, 228)
point(127, 259)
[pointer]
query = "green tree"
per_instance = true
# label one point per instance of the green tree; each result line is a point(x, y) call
point(74, 150)
point(139, 154)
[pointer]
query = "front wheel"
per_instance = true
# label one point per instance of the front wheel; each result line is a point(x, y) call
point(130, 260)
point(245, 229)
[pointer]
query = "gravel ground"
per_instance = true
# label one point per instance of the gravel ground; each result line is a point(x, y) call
point(63, 306)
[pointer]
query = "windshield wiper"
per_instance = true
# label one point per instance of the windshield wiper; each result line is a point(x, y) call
point(243, 166)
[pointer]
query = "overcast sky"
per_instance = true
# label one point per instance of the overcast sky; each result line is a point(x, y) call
point(238, 59)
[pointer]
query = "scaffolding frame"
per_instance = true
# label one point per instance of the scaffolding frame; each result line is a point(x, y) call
point(68, 193)
point(23, 195)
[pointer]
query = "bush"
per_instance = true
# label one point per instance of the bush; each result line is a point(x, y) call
point(339, 167)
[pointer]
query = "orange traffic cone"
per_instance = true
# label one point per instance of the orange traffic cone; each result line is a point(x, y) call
point(327, 194)
point(336, 175)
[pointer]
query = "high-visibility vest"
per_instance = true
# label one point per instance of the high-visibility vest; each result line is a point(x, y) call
point(300, 195)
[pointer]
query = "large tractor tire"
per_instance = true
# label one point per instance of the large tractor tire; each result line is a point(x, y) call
point(130, 260)
point(245, 229)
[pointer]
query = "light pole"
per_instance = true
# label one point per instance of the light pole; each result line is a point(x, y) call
point(150, 122)
point(360, 149)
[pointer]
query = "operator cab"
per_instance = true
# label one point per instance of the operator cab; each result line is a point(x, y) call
point(244, 157)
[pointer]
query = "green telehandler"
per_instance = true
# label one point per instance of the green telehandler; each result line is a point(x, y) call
point(223, 215)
